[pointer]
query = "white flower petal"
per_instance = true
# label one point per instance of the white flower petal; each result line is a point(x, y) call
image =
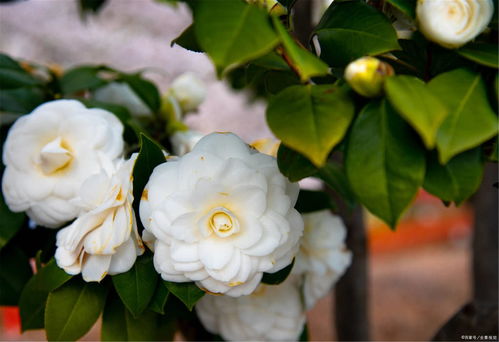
point(95, 267)
point(215, 253)
point(124, 258)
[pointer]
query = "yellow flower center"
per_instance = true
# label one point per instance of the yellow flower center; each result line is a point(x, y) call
point(222, 222)
point(55, 156)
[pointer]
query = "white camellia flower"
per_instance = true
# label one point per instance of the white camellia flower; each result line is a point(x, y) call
point(222, 215)
point(104, 238)
point(453, 23)
point(189, 91)
point(323, 257)
point(121, 94)
point(50, 152)
point(184, 141)
point(271, 313)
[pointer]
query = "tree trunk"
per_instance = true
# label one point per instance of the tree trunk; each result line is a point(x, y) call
point(302, 20)
point(479, 317)
point(351, 292)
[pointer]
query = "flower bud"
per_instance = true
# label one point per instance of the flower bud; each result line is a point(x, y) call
point(453, 23)
point(189, 91)
point(366, 76)
point(272, 6)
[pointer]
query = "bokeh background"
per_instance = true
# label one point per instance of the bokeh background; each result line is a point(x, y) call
point(418, 276)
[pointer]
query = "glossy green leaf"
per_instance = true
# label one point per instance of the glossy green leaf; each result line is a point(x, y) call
point(417, 105)
point(81, 78)
point(384, 164)
point(91, 5)
point(35, 293)
point(352, 29)
point(481, 53)
point(118, 324)
point(278, 277)
point(21, 100)
point(188, 40)
point(458, 179)
point(15, 271)
point(408, 7)
point(310, 201)
point(159, 299)
point(311, 119)
point(188, 293)
point(7, 62)
point(232, 32)
point(305, 63)
point(150, 156)
point(121, 112)
point(14, 78)
point(271, 61)
point(293, 165)
point(73, 309)
point(137, 286)
point(471, 120)
point(144, 89)
point(333, 174)
point(304, 334)
point(10, 222)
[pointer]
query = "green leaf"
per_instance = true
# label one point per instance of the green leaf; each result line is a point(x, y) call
point(352, 29)
point(10, 222)
point(188, 40)
point(310, 201)
point(384, 164)
point(73, 309)
point(21, 100)
point(188, 293)
point(279, 276)
point(293, 165)
point(335, 178)
point(14, 78)
point(408, 7)
point(458, 179)
point(159, 299)
point(304, 334)
point(6, 62)
point(303, 61)
point(311, 119)
point(271, 61)
point(417, 105)
point(136, 287)
point(471, 120)
point(91, 5)
point(150, 156)
point(35, 293)
point(15, 271)
point(232, 32)
point(81, 78)
point(481, 53)
point(144, 89)
point(119, 325)
point(121, 112)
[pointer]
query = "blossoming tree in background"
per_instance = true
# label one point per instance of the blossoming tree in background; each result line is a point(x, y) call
point(111, 205)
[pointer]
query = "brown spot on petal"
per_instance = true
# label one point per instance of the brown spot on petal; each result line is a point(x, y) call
point(209, 292)
point(119, 196)
point(145, 195)
point(236, 283)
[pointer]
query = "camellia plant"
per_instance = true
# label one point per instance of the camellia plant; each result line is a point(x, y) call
point(111, 206)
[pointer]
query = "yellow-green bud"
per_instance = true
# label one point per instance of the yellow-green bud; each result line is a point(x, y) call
point(272, 6)
point(366, 76)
